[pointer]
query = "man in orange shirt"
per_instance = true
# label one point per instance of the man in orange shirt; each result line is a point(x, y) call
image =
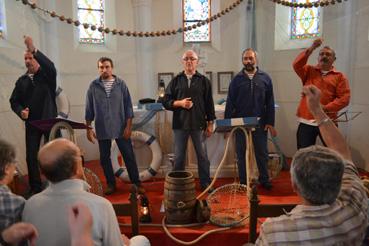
point(334, 87)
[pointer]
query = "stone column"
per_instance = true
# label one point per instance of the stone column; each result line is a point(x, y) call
point(146, 82)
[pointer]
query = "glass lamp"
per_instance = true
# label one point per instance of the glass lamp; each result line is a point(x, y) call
point(145, 216)
point(161, 90)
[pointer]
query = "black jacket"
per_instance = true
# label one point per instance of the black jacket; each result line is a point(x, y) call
point(200, 92)
point(38, 95)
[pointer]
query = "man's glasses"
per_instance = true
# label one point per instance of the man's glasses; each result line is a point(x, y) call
point(189, 59)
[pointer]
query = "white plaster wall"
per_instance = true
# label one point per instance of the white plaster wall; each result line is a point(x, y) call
point(77, 67)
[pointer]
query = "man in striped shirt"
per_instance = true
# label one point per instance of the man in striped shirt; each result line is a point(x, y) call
point(334, 210)
point(109, 104)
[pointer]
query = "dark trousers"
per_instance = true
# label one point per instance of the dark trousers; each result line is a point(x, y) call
point(306, 135)
point(260, 141)
point(198, 140)
point(126, 149)
point(33, 139)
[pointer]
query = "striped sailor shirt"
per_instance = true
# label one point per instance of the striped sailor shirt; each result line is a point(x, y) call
point(342, 223)
point(108, 84)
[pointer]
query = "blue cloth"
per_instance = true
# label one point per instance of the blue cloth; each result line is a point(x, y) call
point(110, 113)
point(198, 140)
point(252, 98)
point(228, 124)
point(247, 98)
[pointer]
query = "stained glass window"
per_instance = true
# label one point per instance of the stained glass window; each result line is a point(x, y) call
point(92, 13)
point(195, 11)
point(1, 21)
point(305, 22)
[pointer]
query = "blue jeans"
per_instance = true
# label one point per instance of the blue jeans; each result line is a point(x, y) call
point(306, 135)
point(125, 148)
point(198, 140)
point(260, 141)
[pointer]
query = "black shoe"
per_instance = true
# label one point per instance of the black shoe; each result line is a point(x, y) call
point(211, 190)
point(267, 185)
point(140, 189)
point(109, 190)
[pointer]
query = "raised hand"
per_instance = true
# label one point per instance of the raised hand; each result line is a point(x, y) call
point(317, 42)
point(19, 232)
point(80, 224)
point(29, 43)
point(312, 94)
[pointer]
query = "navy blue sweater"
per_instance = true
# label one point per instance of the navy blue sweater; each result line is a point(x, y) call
point(251, 98)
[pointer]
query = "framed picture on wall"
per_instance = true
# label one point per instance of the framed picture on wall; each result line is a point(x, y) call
point(166, 77)
point(224, 78)
point(209, 75)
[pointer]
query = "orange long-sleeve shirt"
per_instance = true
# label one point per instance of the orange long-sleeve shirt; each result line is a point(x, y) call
point(334, 87)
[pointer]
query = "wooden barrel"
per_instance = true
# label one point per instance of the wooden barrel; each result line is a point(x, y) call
point(179, 197)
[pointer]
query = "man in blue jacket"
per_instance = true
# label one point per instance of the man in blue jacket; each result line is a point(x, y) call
point(250, 94)
point(108, 102)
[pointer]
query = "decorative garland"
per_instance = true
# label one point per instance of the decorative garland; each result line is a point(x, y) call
point(134, 33)
point(321, 3)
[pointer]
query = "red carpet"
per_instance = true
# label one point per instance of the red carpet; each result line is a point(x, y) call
point(281, 193)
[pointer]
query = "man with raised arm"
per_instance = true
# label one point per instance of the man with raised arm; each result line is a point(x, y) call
point(334, 209)
point(334, 87)
point(33, 98)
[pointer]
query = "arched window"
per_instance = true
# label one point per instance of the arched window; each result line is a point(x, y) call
point(1, 21)
point(92, 13)
point(195, 11)
point(305, 22)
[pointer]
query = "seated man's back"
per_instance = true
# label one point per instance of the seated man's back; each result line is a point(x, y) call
point(48, 212)
point(344, 222)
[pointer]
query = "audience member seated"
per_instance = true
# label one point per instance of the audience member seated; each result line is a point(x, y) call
point(61, 163)
point(335, 207)
point(11, 205)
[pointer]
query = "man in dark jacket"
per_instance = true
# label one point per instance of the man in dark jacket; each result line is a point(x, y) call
point(250, 94)
point(190, 98)
point(33, 98)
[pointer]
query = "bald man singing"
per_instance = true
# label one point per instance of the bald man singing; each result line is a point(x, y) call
point(189, 96)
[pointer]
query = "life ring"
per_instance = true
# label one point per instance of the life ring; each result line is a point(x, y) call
point(62, 103)
point(152, 143)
